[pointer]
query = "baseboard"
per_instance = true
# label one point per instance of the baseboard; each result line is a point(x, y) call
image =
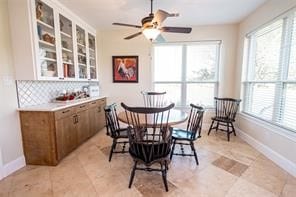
point(281, 161)
point(13, 166)
point(1, 174)
point(1, 166)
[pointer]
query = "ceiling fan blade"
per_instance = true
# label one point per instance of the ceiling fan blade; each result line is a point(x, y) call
point(185, 30)
point(127, 25)
point(161, 15)
point(132, 36)
point(159, 39)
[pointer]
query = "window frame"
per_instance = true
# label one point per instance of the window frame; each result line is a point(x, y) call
point(283, 67)
point(183, 82)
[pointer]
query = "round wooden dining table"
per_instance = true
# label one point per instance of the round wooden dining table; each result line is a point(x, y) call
point(176, 117)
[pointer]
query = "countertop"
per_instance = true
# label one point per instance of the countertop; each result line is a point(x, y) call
point(58, 105)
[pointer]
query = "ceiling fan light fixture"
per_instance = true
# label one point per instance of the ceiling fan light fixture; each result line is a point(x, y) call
point(151, 33)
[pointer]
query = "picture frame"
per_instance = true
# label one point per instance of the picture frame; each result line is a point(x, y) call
point(125, 69)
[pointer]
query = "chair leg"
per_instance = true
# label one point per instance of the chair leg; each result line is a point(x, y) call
point(164, 177)
point(233, 129)
point(228, 132)
point(132, 175)
point(217, 127)
point(112, 148)
point(172, 151)
point(166, 165)
point(195, 155)
point(211, 127)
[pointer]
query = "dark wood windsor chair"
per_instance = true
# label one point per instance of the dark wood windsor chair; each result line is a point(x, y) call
point(192, 132)
point(226, 109)
point(150, 139)
point(119, 135)
point(153, 99)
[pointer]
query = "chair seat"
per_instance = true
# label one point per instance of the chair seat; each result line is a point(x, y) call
point(222, 119)
point(183, 134)
point(143, 153)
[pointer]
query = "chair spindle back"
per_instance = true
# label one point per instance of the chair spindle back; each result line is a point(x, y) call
point(149, 133)
point(112, 123)
point(153, 99)
point(194, 124)
point(227, 108)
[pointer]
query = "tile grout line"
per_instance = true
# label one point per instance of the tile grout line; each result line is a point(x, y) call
point(93, 186)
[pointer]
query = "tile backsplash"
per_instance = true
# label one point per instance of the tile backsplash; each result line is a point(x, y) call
point(39, 92)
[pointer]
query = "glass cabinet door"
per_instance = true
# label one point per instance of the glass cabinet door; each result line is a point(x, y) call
point(92, 56)
point(67, 47)
point(81, 51)
point(46, 40)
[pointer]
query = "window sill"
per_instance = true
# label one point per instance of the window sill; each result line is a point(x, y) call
point(274, 128)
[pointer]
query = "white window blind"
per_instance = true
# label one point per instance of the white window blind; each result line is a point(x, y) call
point(270, 81)
point(188, 72)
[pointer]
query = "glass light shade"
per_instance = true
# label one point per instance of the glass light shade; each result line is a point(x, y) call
point(151, 33)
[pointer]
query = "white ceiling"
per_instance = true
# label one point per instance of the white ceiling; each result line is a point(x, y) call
point(102, 13)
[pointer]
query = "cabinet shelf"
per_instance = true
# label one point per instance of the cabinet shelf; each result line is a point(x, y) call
point(80, 64)
point(66, 35)
point(67, 50)
point(45, 24)
point(71, 63)
point(79, 44)
point(46, 43)
point(48, 59)
point(81, 54)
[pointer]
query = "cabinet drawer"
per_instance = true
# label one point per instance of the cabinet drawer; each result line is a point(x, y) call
point(82, 107)
point(94, 103)
point(102, 101)
point(64, 113)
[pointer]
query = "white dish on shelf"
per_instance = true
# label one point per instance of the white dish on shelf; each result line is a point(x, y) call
point(49, 73)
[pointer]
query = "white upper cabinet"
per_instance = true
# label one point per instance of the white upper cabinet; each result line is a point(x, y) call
point(50, 42)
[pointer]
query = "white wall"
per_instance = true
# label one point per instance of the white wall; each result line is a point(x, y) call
point(10, 135)
point(273, 138)
point(112, 43)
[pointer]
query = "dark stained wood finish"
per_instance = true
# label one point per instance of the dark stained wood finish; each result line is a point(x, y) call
point(175, 117)
point(49, 136)
point(149, 139)
point(226, 109)
point(186, 137)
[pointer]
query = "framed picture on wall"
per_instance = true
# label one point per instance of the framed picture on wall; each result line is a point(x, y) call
point(125, 69)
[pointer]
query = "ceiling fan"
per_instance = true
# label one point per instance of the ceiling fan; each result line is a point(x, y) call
point(152, 25)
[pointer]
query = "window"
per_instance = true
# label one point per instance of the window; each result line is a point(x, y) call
point(188, 72)
point(270, 80)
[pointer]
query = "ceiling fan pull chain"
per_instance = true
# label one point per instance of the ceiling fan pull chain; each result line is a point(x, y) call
point(151, 7)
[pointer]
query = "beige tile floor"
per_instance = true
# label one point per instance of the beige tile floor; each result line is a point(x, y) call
point(226, 169)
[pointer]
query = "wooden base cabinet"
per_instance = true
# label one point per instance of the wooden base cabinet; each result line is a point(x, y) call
point(66, 134)
point(97, 115)
point(49, 136)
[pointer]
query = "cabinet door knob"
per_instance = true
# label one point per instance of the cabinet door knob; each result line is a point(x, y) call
point(99, 109)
